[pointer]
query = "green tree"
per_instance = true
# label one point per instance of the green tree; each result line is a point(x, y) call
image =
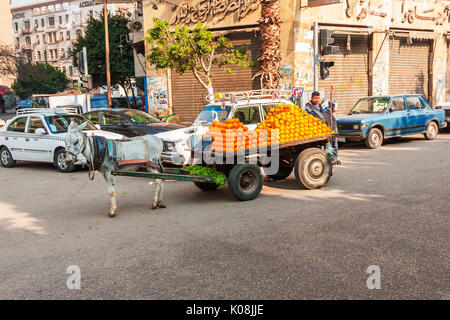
point(195, 50)
point(38, 78)
point(120, 51)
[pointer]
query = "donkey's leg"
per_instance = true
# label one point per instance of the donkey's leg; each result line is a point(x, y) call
point(156, 192)
point(160, 193)
point(111, 186)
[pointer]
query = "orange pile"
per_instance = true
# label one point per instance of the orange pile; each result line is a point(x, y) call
point(231, 136)
point(292, 123)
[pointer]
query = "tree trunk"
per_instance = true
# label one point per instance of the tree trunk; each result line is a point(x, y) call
point(270, 58)
point(124, 86)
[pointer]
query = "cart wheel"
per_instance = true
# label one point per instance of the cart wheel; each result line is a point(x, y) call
point(205, 186)
point(245, 181)
point(312, 168)
point(282, 173)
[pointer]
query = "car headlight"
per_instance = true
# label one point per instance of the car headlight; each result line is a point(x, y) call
point(169, 146)
point(356, 126)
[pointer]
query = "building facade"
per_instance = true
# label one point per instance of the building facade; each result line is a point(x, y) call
point(6, 35)
point(384, 47)
point(46, 31)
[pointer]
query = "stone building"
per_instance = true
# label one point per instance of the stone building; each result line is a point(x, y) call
point(384, 47)
point(46, 30)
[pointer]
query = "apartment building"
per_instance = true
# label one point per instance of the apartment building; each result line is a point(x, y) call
point(46, 30)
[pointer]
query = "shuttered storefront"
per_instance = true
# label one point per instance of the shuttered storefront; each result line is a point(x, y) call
point(188, 96)
point(408, 66)
point(447, 74)
point(350, 72)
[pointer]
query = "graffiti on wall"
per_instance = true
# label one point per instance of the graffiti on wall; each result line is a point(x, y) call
point(215, 10)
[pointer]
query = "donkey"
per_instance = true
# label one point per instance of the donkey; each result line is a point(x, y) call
point(107, 156)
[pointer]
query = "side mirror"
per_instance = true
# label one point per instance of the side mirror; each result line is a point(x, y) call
point(98, 126)
point(40, 132)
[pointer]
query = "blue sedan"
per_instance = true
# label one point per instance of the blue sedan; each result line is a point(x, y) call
point(374, 119)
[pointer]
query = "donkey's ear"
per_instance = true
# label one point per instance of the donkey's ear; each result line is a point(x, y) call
point(73, 126)
point(83, 125)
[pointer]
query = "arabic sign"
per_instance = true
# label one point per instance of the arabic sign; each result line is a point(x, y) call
point(297, 91)
point(216, 10)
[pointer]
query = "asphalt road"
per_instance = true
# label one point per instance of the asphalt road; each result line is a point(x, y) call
point(386, 207)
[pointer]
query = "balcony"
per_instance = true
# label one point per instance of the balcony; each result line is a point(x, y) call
point(62, 26)
point(26, 31)
point(27, 46)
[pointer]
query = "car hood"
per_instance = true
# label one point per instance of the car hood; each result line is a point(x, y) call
point(181, 134)
point(162, 126)
point(358, 117)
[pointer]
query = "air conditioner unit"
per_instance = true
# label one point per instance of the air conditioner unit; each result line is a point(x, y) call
point(135, 26)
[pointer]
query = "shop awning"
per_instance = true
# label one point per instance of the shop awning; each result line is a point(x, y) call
point(423, 35)
point(5, 90)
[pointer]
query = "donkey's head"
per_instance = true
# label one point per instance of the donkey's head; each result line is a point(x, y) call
point(75, 140)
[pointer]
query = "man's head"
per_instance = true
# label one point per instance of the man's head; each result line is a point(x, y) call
point(315, 97)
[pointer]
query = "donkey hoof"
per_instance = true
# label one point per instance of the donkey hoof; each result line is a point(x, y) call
point(112, 214)
point(161, 206)
point(154, 206)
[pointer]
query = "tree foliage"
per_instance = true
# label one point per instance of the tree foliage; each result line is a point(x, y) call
point(120, 51)
point(38, 78)
point(194, 49)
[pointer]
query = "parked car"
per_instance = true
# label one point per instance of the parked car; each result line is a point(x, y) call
point(98, 102)
point(374, 119)
point(38, 135)
point(250, 107)
point(129, 122)
point(446, 107)
point(34, 101)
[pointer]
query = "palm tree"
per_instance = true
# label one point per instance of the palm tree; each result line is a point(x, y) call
point(270, 58)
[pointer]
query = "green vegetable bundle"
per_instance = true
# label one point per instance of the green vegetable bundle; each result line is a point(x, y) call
point(219, 178)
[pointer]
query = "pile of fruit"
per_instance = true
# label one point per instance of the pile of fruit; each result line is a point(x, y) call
point(283, 124)
point(292, 123)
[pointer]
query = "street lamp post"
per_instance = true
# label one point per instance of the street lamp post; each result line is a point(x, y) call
point(108, 71)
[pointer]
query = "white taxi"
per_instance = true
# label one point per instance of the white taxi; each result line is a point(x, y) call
point(38, 135)
point(250, 107)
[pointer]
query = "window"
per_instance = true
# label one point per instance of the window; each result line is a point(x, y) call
point(42, 23)
point(43, 38)
point(140, 118)
point(70, 71)
point(67, 18)
point(45, 55)
point(398, 104)
point(63, 53)
point(27, 25)
point(112, 119)
point(37, 40)
point(51, 21)
point(56, 54)
point(51, 54)
point(16, 26)
point(18, 125)
point(60, 123)
point(79, 33)
point(39, 56)
point(49, 37)
point(93, 117)
point(248, 115)
point(68, 35)
point(27, 40)
point(61, 36)
point(60, 20)
point(34, 124)
point(414, 103)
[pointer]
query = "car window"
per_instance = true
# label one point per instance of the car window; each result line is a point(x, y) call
point(248, 115)
point(34, 124)
point(414, 103)
point(60, 123)
point(398, 104)
point(93, 117)
point(112, 119)
point(141, 118)
point(18, 125)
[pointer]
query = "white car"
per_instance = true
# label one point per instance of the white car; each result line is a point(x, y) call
point(446, 107)
point(250, 107)
point(38, 135)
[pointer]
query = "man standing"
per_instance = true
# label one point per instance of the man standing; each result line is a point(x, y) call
point(315, 108)
point(2, 104)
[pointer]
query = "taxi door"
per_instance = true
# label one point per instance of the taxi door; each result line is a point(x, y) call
point(36, 144)
point(14, 138)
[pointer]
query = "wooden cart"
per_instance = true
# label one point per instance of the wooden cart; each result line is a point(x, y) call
point(307, 158)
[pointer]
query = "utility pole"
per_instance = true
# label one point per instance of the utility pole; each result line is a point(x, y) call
point(316, 55)
point(108, 70)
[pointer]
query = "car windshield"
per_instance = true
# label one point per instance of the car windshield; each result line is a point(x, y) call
point(211, 113)
point(141, 118)
point(60, 123)
point(371, 105)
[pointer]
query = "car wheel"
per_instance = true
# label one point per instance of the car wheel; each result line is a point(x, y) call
point(61, 163)
point(432, 131)
point(374, 139)
point(6, 158)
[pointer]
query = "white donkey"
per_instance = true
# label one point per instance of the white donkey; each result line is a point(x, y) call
point(106, 156)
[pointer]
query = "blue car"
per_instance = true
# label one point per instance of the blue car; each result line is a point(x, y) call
point(374, 119)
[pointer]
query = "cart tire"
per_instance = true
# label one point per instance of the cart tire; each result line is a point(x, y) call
point(312, 168)
point(282, 173)
point(6, 158)
point(245, 181)
point(206, 186)
point(374, 138)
